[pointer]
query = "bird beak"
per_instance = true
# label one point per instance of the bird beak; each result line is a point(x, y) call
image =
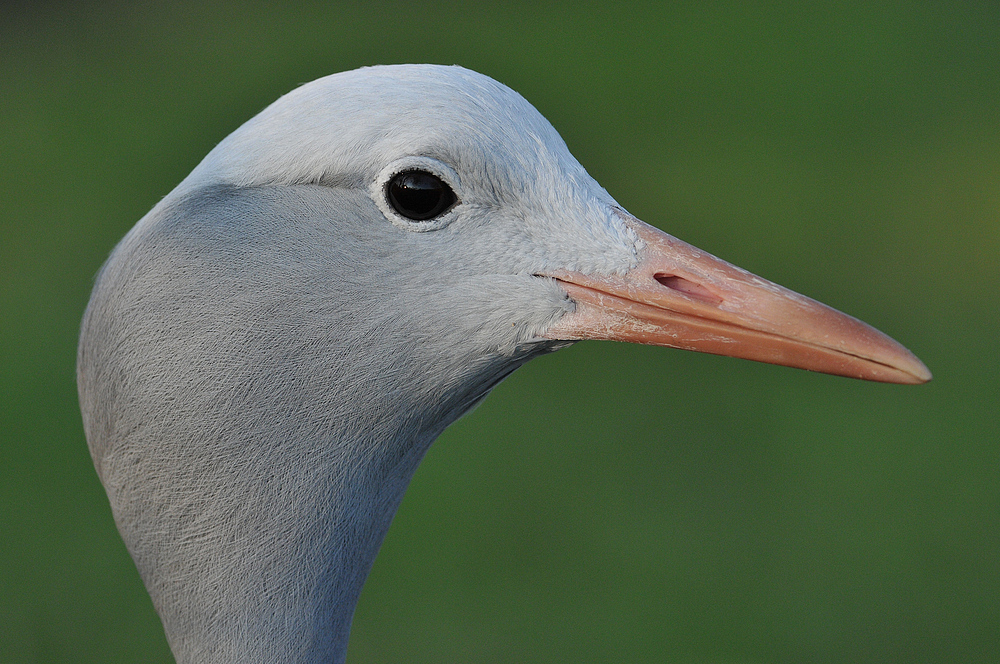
point(682, 297)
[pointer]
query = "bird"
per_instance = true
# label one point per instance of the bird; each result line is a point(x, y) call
point(269, 352)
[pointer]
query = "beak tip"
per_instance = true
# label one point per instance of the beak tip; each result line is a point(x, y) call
point(905, 367)
point(900, 367)
point(921, 374)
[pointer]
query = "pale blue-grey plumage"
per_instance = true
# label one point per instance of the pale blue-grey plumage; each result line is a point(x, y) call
point(269, 352)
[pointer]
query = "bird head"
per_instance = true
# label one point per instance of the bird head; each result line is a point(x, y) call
point(498, 223)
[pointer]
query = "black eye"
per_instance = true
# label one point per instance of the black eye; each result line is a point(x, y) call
point(419, 195)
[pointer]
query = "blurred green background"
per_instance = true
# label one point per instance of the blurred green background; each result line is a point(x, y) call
point(608, 503)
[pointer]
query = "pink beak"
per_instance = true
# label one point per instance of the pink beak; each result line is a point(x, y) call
point(682, 297)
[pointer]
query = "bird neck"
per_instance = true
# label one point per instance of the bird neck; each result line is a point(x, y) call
point(278, 576)
point(258, 550)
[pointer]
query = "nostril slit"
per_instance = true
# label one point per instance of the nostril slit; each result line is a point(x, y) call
point(688, 287)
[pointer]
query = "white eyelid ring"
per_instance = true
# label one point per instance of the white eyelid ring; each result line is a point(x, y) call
point(378, 191)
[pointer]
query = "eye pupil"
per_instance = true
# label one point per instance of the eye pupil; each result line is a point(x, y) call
point(419, 195)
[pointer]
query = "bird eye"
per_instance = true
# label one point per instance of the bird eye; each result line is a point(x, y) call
point(419, 195)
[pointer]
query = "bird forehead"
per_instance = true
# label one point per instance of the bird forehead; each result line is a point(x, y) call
point(356, 122)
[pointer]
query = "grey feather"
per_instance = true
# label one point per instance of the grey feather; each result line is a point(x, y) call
point(269, 353)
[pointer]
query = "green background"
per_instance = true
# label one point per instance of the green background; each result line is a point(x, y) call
point(608, 503)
